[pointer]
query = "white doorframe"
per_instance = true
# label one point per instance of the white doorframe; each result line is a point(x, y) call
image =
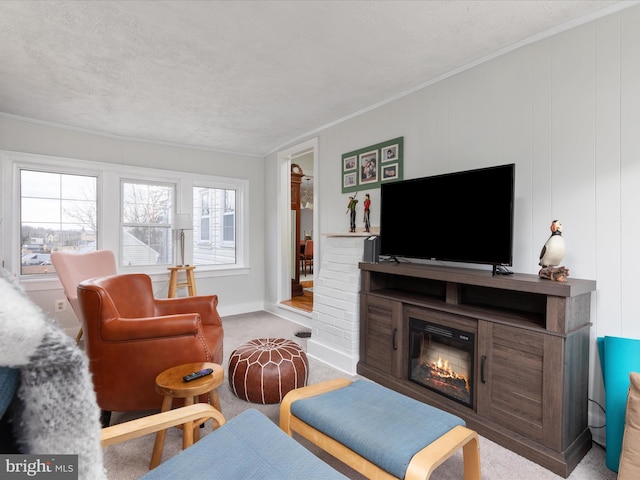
point(284, 213)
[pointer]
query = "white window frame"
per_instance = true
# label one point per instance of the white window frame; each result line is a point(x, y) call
point(146, 181)
point(19, 168)
point(241, 214)
point(109, 208)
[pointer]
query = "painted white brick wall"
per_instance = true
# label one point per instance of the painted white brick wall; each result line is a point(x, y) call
point(336, 303)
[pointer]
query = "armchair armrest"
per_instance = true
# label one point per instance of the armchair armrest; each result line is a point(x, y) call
point(127, 329)
point(159, 421)
point(205, 305)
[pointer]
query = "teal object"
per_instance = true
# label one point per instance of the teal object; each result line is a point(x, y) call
point(618, 357)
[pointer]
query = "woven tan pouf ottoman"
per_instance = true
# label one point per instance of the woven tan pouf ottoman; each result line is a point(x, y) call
point(266, 369)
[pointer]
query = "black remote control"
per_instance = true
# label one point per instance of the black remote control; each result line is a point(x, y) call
point(194, 375)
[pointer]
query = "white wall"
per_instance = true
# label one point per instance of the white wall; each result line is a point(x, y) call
point(237, 293)
point(566, 111)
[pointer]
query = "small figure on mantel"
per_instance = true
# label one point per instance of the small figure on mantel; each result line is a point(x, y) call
point(367, 212)
point(552, 254)
point(351, 210)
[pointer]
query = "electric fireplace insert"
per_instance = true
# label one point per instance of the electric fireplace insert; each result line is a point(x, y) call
point(441, 359)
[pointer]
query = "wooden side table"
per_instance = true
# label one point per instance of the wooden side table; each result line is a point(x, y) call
point(190, 282)
point(170, 384)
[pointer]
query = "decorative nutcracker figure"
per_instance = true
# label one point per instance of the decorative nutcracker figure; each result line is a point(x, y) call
point(367, 208)
point(351, 210)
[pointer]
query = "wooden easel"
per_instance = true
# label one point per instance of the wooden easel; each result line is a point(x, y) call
point(190, 282)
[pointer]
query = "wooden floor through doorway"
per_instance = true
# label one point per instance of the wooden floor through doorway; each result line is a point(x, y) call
point(302, 302)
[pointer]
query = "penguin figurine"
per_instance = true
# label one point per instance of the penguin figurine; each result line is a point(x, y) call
point(554, 249)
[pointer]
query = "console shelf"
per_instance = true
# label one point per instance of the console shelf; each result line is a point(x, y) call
point(532, 341)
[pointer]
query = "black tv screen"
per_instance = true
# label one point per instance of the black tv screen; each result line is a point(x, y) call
point(460, 217)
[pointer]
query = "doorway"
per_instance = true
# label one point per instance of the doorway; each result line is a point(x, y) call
point(304, 156)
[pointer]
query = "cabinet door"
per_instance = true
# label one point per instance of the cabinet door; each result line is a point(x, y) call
point(511, 390)
point(381, 335)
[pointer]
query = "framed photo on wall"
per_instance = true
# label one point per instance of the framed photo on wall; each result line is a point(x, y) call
point(350, 163)
point(367, 167)
point(389, 172)
point(349, 180)
point(390, 153)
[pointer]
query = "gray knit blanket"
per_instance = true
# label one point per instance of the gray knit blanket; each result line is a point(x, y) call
point(55, 411)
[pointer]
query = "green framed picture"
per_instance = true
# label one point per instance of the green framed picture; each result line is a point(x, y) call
point(368, 167)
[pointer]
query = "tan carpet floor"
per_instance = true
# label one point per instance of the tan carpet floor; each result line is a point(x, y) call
point(130, 460)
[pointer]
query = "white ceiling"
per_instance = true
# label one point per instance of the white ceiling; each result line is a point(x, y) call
point(246, 76)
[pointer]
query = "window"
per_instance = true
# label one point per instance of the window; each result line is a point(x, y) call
point(215, 219)
point(146, 223)
point(57, 212)
point(51, 203)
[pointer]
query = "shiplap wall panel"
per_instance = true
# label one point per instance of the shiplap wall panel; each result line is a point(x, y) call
point(441, 160)
point(484, 85)
point(517, 140)
point(630, 171)
point(572, 144)
point(458, 120)
point(607, 301)
point(607, 215)
point(541, 172)
point(436, 154)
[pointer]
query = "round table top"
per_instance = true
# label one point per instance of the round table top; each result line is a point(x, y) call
point(170, 381)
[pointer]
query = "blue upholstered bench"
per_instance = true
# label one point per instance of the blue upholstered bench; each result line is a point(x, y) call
point(249, 446)
point(377, 431)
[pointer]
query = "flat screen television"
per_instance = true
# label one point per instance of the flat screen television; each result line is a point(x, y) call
point(463, 216)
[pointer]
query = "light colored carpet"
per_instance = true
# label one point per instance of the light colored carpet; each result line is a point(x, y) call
point(130, 460)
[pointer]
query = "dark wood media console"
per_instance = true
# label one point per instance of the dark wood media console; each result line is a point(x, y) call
point(531, 353)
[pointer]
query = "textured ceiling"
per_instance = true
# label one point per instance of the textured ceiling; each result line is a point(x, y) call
point(244, 76)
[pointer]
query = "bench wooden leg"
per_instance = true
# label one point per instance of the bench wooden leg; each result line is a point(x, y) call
point(471, 456)
point(435, 454)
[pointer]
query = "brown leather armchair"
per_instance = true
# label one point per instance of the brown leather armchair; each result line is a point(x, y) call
point(130, 337)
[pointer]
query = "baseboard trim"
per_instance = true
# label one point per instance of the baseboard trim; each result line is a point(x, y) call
point(338, 360)
point(238, 309)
